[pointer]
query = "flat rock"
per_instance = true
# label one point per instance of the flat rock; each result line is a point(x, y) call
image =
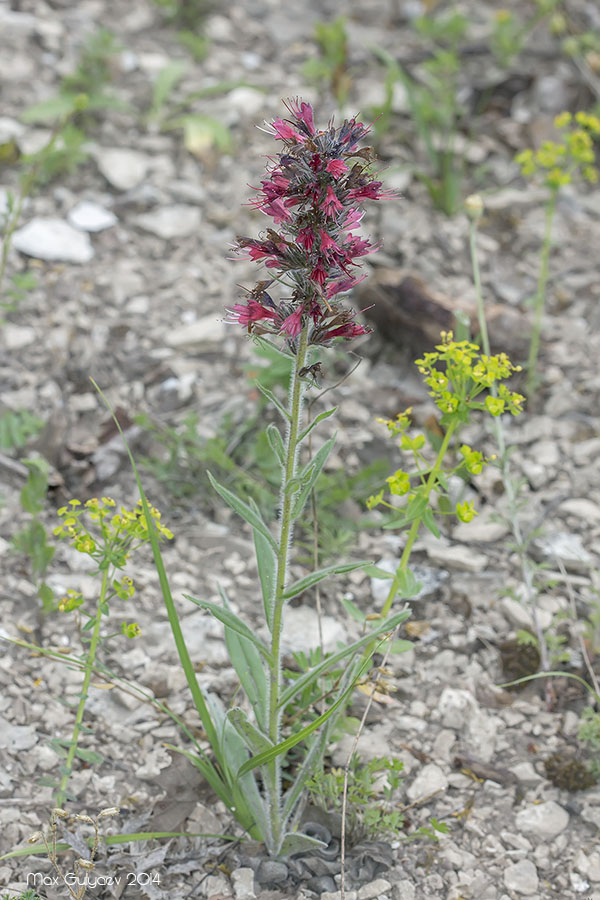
point(170, 222)
point(429, 780)
point(88, 216)
point(207, 330)
point(16, 737)
point(123, 169)
point(374, 889)
point(243, 884)
point(53, 240)
point(301, 630)
point(457, 556)
point(522, 877)
point(544, 821)
point(583, 509)
point(565, 547)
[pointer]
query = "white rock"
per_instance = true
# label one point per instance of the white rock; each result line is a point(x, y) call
point(544, 821)
point(456, 708)
point(243, 884)
point(516, 613)
point(301, 630)
point(88, 216)
point(430, 779)
point(53, 240)
point(208, 330)
point(526, 774)
point(170, 221)
point(403, 890)
point(123, 169)
point(457, 556)
point(583, 509)
point(522, 878)
point(16, 737)
point(374, 889)
point(246, 101)
point(18, 336)
point(563, 546)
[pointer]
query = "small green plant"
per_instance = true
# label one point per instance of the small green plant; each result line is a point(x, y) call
point(330, 67)
point(24, 895)
point(32, 540)
point(556, 164)
point(435, 107)
point(187, 14)
point(589, 733)
point(371, 810)
point(109, 537)
point(17, 427)
point(510, 32)
point(86, 92)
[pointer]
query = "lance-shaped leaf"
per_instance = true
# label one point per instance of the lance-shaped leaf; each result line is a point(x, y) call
point(244, 510)
point(315, 421)
point(266, 756)
point(247, 663)
point(309, 763)
point(266, 561)
point(330, 661)
point(296, 842)
point(309, 475)
point(276, 442)
point(232, 621)
point(315, 577)
point(255, 740)
point(273, 399)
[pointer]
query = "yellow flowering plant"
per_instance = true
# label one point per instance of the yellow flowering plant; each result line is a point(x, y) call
point(461, 380)
point(109, 536)
point(556, 164)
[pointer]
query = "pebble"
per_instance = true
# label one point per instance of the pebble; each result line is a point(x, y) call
point(123, 169)
point(88, 216)
point(522, 877)
point(516, 613)
point(243, 884)
point(301, 630)
point(563, 546)
point(373, 889)
point(246, 101)
point(430, 779)
point(585, 510)
point(170, 222)
point(544, 821)
point(207, 330)
point(18, 336)
point(403, 890)
point(53, 240)
point(16, 737)
point(456, 556)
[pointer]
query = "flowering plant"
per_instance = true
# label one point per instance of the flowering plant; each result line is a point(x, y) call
point(313, 192)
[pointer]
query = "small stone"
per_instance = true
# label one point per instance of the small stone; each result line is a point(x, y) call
point(170, 222)
point(271, 872)
point(517, 614)
point(544, 821)
point(565, 547)
point(373, 889)
point(456, 556)
point(123, 169)
point(403, 890)
point(18, 336)
point(15, 738)
point(246, 101)
point(526, 774)
point(456, 708)
point(429, 780)
point(583, 509)
point(522, 878)
point(243, 884)
point(301, 630)
point(54, 241)
point(207, 330)
point(88, 216)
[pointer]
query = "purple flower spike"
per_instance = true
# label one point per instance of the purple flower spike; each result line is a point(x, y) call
point(314, 191)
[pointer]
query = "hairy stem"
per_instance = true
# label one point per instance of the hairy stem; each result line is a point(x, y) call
point(89, 666)
point(273, 783)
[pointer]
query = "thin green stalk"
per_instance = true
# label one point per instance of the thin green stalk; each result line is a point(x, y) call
point(504, 459)
point(273, 785)
point(540, 296)
point(414, 528)
point(89, 665)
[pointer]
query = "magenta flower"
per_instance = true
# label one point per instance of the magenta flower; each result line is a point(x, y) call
point(313, 191)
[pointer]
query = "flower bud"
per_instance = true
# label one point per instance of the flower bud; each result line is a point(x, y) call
point(474, 207)
point(109, 811)
point(38, 836)
point(83, 818)
point(60, 813)
point(85, 864)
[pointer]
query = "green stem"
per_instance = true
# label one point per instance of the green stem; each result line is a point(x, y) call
point(414, 528)
point(89, 666)
point(483, 331)
point(540, 296)
point(273, 782)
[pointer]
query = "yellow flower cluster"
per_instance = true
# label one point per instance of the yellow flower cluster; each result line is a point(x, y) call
point(560, 161)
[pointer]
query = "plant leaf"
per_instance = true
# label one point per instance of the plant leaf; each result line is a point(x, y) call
point(247, 663)
point(276, 442)
point(315, 421)
point(296, 842)
point(388, 625)
point(166, 82)
point(266, 562)
point(309, 475)
point(231, 621)
point(255, 740)
point(243, 510)
point(273, 399)
point(315, 577)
